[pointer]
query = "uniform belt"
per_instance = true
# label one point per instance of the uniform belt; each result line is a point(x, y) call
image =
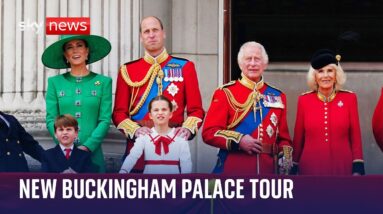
point(149, 123)
point(271, 149)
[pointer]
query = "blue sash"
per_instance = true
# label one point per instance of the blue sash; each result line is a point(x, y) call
point(246, 126)
point(154, 90)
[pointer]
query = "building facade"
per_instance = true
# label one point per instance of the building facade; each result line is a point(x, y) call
point(198, 30)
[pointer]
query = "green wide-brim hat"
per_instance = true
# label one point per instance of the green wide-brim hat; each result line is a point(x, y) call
point(53, 56)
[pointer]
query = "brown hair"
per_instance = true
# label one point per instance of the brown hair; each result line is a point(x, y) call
point(158, 98)
point(86, 45)
point(155, 17)
point(66, 120)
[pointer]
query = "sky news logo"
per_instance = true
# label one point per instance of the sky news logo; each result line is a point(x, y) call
point(67, 26)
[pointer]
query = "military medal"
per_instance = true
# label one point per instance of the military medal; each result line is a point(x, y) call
point(274, 119)
point(181, 79)
point(176, 75)
point(273, 101)
point(166, 79)
point(62, 93)
point(340, 104)
point(94, 92)
point(171, 75)
point(270, 130)
point(172, 89)
point(97, 83)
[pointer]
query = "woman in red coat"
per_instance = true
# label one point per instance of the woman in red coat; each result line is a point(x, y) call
point(327, 138)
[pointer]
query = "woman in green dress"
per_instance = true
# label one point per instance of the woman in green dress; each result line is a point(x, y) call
point(79, 92)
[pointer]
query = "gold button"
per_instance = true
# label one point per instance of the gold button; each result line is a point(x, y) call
point(325, 117)
point(325, 104)
point(325, 108)
point(260, 139)
point(8, 153)
point(325, 122)
point(20, 155)
point(325, 112)
point(325, 128)
point(326, 134)
point(6, 140)
point(260, 134)
point(18, 142)
point(326, 140)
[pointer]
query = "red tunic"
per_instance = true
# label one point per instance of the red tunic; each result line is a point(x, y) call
point(272, 130)
point(185, 96)
point(327, 138)
point(377, 122)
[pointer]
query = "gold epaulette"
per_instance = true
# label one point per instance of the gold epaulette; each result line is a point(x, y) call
point(344, 90)
point(191, 123)
point(129, 127)
point(229, 135)
point(307, 92)
point(227, 84)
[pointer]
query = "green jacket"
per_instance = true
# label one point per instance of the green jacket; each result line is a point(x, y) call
point(89, 100)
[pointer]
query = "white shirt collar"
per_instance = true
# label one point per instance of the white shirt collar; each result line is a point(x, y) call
point(63, 148)
point(155, 133)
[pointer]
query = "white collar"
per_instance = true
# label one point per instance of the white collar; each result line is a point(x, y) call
point(63, 147)
point(155, 133)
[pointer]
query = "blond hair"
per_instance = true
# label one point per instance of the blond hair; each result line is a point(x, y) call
point(340, 77)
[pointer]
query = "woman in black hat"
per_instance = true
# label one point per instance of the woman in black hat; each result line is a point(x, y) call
point(79, 92)
point(327, 137)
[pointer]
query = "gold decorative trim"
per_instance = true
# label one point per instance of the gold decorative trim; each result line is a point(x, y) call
point(227, 84)
point(240, 109)
point(287, 152)
point(229, 135)
point(126, 77)
point(145, 95)
point(129, 127)
point(323, 98)
point(158, 59)
point(358, 160)
point(250, 84)
point(191, 123)
point(228, 144)
point(155, 72)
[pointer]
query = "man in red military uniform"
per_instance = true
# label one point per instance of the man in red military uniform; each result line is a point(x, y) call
point(247, 120)
point(377, 122)
point(156, 73)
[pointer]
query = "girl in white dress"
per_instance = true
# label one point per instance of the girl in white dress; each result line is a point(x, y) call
point(164, 151)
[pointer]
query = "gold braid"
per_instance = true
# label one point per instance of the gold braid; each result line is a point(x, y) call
point(127, 79)
point(147, 90)
point(154, 71)
point(239, 107)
